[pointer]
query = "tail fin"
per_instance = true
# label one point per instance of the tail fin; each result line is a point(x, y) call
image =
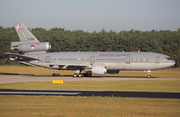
point(24, 34)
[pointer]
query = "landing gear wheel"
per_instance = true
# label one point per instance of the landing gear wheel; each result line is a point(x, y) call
point(84, 74)
point(75, 75)
point(149, 76)
point(89, 74)
point(80, 75)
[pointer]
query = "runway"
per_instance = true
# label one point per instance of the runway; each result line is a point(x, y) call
point(90, 93)
point(18, 78)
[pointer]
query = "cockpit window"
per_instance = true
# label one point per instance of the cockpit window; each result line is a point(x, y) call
point(168, 58)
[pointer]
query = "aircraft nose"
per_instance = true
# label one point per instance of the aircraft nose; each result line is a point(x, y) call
point(173, 62)
point(169, 63)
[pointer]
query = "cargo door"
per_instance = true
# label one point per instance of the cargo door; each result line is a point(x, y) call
point(47, 59)
point(92, 60)
point(127, 60)
point(127, 65)
point(157, 59)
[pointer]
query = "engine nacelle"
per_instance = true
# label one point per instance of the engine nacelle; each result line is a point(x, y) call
point(100, 70)
point(33, 47)
point(113, 71)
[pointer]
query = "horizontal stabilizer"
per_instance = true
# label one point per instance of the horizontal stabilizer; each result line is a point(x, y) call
point(22, 56)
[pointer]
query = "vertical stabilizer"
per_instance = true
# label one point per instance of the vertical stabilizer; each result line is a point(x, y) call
point(24, 34)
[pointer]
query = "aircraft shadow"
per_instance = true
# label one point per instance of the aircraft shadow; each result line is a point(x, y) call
point(2, 73)
point(55, 75)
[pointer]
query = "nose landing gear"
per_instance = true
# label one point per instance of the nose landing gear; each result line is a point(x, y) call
point(149, 71)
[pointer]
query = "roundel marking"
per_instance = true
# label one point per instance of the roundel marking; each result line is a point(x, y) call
point(32, 46)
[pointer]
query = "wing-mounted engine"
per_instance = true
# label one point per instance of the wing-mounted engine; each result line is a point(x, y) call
point(30, 47)
point(100, 70)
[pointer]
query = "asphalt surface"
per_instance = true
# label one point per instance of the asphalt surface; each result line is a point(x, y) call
point(90, 93)
point(18, 78)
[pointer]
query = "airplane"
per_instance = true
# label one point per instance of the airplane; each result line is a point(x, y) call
point(91, 62)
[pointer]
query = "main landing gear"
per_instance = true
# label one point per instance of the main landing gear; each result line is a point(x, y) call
point(82, 75)
point(87, 74)
point(79, 74)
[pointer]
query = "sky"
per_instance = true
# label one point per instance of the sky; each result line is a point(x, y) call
point(92, 15)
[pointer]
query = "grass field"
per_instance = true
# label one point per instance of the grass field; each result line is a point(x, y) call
point(151, 86)
point(60, 106)
point(28, 70)
point(28, 106)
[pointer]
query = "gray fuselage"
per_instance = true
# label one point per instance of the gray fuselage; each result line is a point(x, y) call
point(112, 60)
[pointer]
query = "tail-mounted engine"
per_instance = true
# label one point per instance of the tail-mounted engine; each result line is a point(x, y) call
point(30, 47)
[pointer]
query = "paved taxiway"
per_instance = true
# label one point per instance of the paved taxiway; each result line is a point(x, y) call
point(17, 78)
point(91, 93)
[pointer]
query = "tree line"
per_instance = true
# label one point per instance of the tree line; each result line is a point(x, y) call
point(162, 41)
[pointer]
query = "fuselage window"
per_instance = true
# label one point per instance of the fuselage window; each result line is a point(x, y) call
point(71, 59)
point(143, 59)
point(110, 59)
point(61, 59)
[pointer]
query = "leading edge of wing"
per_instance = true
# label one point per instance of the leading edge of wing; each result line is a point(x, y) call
point(22, 56)
point(70, 64)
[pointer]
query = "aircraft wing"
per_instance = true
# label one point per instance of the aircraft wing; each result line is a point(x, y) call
point(77, 65)
point(70, 65)
point(22, 56)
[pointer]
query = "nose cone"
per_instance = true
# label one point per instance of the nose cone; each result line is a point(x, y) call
point(173, 62)
point(169, 63)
